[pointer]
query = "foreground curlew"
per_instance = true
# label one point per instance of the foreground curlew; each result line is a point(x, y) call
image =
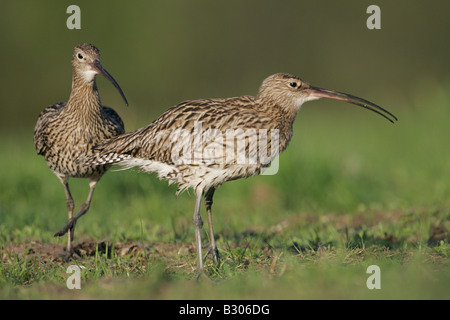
point(204, 143)
point(65, 132)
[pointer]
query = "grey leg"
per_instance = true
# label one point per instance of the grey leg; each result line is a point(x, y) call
point(85, 206)
point(198, 223)
point(70, 206)
point(212, 242)
point(69, 228)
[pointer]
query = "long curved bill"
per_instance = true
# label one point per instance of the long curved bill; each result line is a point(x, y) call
point(324, 93)
point(96, 64)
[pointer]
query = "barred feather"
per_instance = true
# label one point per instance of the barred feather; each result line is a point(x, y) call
point(152, 148)
point(66, 132)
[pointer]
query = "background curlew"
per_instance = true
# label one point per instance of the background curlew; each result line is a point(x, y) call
point(203, 143)
point(66, 132)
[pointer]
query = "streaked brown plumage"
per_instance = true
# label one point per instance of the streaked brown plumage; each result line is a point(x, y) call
point(168, 146)
point(66, 132)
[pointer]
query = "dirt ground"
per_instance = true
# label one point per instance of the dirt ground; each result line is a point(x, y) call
point(88, 248)
point(58, 252)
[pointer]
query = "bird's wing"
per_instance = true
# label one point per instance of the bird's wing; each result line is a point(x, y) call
point(115, 123)
point(188, 128)
point(42, 128)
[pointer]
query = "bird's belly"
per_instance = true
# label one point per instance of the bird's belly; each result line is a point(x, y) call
point(67, 157)
point(198, 177)
point(73, 166)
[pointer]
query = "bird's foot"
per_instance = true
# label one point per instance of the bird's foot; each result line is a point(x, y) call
point(202, 276)
point(212, 251)
point(70, 225)
point(67, 255)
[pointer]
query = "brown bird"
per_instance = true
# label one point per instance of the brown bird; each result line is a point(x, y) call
point(66, 132)
point(203, 143)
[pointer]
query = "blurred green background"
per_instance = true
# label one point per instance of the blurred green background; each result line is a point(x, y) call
point(164, 52)
point(342, 158)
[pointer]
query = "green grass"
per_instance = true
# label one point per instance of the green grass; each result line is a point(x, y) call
point(352, 191)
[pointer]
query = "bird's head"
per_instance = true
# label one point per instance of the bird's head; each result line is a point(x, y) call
point(290, 92)
point(285, 90)
point(86, 65)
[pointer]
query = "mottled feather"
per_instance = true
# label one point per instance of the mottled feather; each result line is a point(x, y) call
point(184, 144)
point(66, 132)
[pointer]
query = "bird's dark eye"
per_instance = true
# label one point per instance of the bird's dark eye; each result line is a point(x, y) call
point(293, 84)
point(80, 56)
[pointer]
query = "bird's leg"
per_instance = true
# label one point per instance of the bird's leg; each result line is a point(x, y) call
point(212, 242)
point(69, 228)
point(85, 206)
point(198, 223)
point(70, 206)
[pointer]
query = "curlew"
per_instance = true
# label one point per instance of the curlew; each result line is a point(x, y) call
point(66, 132)
point(201, 144)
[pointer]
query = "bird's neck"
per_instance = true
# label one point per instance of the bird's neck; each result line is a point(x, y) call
point(284, 115)
point(84, 100)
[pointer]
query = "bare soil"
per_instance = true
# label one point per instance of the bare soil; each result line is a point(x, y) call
point(58, 252)
point(88, 248)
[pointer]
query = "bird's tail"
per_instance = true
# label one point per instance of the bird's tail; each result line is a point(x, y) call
point(101, 159)
point(111, 151)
